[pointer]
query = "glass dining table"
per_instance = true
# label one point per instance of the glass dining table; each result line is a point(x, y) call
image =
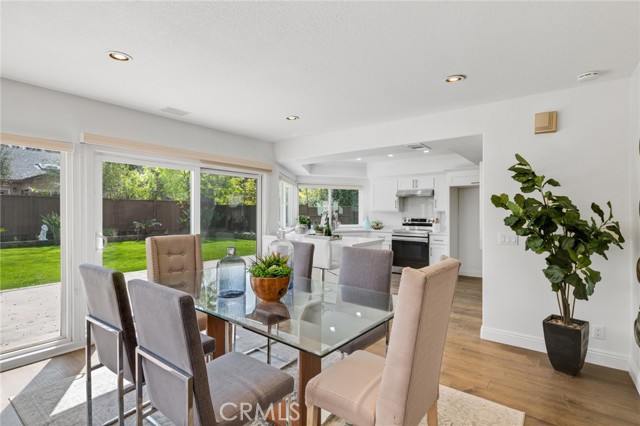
point(314, 317)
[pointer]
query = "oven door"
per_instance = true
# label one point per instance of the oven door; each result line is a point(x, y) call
point(408, 251)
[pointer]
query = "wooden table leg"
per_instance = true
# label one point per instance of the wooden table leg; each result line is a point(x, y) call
point(309, 366)
point(216, 329)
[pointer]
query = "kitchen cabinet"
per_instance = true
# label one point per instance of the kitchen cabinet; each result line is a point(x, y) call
point(384, 195)
point(464, 178)
point(441, 194)
point(415, 183)
point(438, 246)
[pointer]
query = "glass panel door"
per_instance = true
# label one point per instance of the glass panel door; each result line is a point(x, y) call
point(32, 284)
point(140, 200)
point(228, 213)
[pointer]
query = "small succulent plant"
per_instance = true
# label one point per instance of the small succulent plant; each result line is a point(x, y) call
point(270, 266)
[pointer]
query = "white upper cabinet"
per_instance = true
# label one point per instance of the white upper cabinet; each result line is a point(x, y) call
point(384, 195)
point(464, 178)
point(441, 194)
point(415, 183)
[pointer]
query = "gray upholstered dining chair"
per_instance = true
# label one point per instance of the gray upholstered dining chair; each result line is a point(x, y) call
point(367, 390)
point(110, 322)
point(369, 269)
point(179, 383)
point(167, 254)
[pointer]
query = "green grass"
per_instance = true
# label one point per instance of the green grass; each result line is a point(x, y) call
point(27, 266)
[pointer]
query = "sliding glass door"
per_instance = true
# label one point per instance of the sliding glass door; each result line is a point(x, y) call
point(229, 213)
point(33, 288)
point(139, 199)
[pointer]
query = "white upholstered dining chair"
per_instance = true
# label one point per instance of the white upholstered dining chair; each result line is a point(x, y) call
point(367, 390)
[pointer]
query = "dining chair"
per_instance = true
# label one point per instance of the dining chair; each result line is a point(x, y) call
point(179, 383)
point(110, 324)
point(367, 390)
point(369, 269)
point(167, 254)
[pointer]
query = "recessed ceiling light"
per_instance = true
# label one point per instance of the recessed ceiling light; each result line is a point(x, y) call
point(390, 155)
point(292, 117)
point(426, 149)
point(358, 159)
point(455, 78)
point(119, 56)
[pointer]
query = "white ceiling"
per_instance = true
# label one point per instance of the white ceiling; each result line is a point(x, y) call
point(242, 67)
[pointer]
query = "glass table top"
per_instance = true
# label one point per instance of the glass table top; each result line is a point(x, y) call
point(314, 316)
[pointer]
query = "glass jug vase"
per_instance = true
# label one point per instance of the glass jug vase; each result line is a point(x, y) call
point(231, 272)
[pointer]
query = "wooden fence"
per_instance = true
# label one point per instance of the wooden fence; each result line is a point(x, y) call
point(21, 216)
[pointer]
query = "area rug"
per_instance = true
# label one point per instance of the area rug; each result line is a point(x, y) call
point(63, 403)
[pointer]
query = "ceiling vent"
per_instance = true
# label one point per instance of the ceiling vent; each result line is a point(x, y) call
point(175, 111)
point(418, 146)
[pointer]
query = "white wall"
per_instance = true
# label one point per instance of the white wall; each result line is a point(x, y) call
point(634, 228)
point(588, 155)
point(468, 222)
point(34, 111)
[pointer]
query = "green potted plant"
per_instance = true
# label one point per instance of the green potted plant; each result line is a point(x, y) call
point(304, 223)
point(270, 277)
point(554, 227)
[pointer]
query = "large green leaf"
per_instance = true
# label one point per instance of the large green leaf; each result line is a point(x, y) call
point(555, 274)
point(522, 161)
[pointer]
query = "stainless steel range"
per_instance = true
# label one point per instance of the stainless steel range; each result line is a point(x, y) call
point(410, 243)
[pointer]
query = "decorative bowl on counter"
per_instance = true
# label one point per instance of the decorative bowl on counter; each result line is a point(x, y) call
point(377, 225)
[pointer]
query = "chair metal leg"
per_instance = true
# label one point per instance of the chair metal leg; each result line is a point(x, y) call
point(87, 350)
point(139, 416)
point(120, 368)
point(117, 333)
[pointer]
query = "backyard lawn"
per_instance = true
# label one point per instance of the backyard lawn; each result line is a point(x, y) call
point(26, 266)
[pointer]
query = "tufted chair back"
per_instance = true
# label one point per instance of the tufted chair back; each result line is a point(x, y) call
point(173, 253)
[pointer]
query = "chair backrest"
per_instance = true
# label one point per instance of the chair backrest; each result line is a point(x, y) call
point(366, 268)
point(302, 259)
point(167, 327)
point(412, 370)
point(173, 253)
point(108, 301)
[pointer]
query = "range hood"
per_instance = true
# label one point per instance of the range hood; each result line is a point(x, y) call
point(403, 193)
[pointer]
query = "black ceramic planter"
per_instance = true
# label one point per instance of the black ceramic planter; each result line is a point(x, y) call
point(566, 346)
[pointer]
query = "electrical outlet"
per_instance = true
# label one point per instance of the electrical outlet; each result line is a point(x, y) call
point(598, 331)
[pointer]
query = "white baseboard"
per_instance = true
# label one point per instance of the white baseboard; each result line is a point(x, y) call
point(634, 372)
point(476, 273)
point(594, 356)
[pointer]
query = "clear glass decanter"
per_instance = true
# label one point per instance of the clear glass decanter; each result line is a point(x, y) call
point(231, 272)
point(283, 247)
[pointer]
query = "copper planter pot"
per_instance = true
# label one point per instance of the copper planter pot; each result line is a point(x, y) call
point(270, 289)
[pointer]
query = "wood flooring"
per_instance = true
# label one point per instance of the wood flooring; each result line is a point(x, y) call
point(514, 377)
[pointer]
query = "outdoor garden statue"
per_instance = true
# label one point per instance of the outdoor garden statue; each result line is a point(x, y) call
point(43, 233)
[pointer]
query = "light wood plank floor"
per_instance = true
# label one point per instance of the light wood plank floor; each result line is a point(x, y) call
point(515, 377)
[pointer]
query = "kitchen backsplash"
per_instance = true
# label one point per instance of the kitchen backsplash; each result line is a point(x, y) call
point(412, 207)
point(418, 207)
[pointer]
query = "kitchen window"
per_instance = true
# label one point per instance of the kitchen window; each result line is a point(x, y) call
point(286, 211)
point(317, 201)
